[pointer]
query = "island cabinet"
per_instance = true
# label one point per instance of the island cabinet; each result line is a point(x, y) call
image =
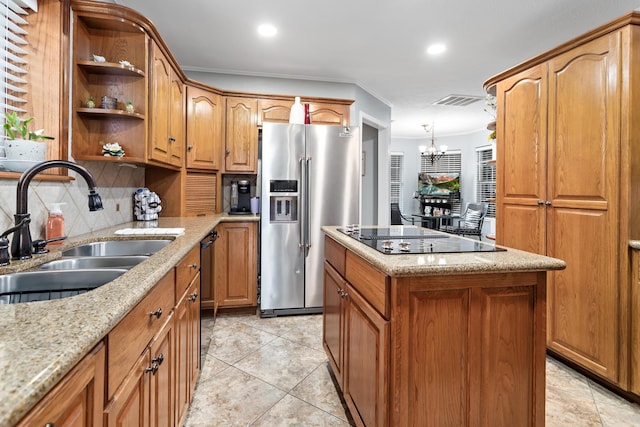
point(241, 135)
point(437, 349)
point(566, 182)
point(205, 110)
point(167, 101)
point(634, 381)
point(77, 400)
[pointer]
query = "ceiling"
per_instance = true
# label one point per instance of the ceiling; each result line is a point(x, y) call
point(378, 45)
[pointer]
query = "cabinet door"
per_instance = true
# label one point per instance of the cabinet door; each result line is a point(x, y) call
point(333, 319)
point(521, 163)
point(366, 378)
point(166, 143)
point(182, 358)
point(241, 153)
point(177, 120)
point(328, 114)
point(235, 264)
point(162, 377)
point(634, 380)
point(583, 157)
point(130, 404)
point(77, 400)
point(187, 321)
point(274, 110)
point(204, 129)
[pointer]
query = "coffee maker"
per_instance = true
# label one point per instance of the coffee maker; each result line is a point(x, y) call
point(240, 197)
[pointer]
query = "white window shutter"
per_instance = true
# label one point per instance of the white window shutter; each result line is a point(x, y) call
point(14, 57)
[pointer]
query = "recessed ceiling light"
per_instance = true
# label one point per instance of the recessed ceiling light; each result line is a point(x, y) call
point(436, 49)
point(267, 30)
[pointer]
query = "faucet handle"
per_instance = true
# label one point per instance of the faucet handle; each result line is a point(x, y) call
point(39, 246)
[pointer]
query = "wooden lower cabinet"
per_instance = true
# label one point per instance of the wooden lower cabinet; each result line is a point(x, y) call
point(187, 318)
point(145, 397)
point(366, 360)
point(634, 374)
point(77, 400)
point(235, 260)
point(453, 350)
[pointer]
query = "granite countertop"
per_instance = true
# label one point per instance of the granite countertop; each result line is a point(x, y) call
point(448, 263)
point(41, 341)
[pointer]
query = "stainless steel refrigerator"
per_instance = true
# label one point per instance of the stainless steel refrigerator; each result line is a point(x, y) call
point(310, 178)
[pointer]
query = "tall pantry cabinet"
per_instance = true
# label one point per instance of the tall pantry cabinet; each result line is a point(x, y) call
point(568, 179)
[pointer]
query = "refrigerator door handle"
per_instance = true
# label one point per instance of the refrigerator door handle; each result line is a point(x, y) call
point(307, 205)
point(303, 206)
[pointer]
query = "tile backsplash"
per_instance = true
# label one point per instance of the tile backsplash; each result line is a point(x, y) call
point(116, 185)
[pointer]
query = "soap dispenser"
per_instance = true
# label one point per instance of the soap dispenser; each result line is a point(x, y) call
point(55, 224)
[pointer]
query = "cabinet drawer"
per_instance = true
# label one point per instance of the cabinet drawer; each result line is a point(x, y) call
point(129, 338)
point(335, 254)
point(371, 283)
point(186, 270)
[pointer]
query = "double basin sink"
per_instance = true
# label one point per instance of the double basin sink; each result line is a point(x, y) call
point(80, 270)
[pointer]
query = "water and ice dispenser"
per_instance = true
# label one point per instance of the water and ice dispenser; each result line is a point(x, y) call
point(283, 207)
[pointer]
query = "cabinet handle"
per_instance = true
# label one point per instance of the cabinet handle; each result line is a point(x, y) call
point(548, 203)
point(193, 296)
point(194, 266)
point(172, 139)
point(156, 313)
point(189, 147)
point(49, 425)
point(152, 369)
point(540, 203)
point(158, 359)
point(227, 152)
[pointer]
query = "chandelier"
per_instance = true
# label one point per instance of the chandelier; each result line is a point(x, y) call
point(432, 153)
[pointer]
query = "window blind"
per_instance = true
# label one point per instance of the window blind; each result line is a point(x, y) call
point(486, 180)
point(13, 61)
point(395, 178)
point(448, 163)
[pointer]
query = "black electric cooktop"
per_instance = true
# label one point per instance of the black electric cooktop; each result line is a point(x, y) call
point(401, 240)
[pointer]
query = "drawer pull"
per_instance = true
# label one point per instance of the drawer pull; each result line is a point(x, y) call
point(193, 296)
point(156, 313)
point(152, 369)
point(158, 359)
point(194, 265)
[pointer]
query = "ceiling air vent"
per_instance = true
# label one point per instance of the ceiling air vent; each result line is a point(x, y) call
point(458, 100)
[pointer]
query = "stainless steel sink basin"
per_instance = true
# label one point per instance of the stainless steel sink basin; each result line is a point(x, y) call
point(47, 285)
point(76, 263)
point(117, 248)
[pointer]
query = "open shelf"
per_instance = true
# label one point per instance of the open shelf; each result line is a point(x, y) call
point(109, 112)
point(110, 68)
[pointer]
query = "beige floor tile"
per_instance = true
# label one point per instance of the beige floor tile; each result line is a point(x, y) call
point(282, 363)
point(231, 398)
point(235, 341)
point(293, 412)
point(614, 410)
point(319, 390)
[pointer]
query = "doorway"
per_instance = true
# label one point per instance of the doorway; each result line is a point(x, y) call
point(369, 172)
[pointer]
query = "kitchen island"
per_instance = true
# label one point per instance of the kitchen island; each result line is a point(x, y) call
point(443, 339)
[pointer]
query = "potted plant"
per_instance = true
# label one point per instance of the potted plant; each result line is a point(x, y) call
point(23, 148)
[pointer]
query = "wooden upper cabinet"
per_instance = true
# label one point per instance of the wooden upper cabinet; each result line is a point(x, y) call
point(166, 143)
point(321, 113)
point(204, 129)
point(92, 126)
point(274, 110)
point(241, 153)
